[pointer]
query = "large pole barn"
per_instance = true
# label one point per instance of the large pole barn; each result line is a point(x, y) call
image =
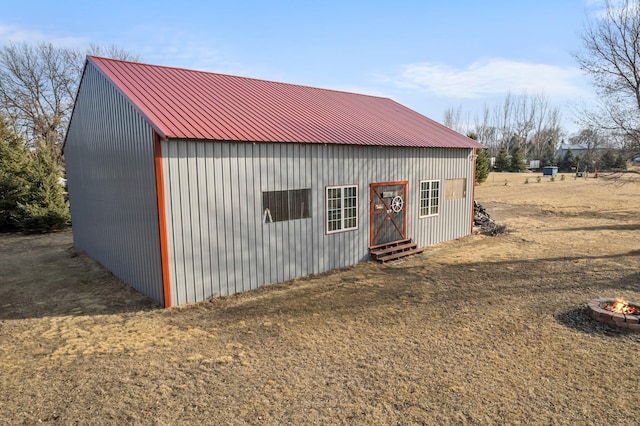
point(189, 185)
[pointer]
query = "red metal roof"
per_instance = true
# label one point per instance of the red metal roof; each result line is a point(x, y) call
point(186, 104)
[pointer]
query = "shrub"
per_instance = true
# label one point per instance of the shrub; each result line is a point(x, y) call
point(31, 197)
point(502, 160)
point(45, 207)
point(14, 178)
point(482, 166)
point(516, 163)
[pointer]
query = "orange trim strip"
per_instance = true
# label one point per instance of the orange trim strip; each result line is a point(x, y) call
point(162, 220)
point(473, 191)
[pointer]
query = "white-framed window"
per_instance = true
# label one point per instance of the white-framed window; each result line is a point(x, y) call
point(342, 208)
point(429, 197)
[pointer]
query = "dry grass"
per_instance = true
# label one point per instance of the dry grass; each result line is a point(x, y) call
point(483, 330)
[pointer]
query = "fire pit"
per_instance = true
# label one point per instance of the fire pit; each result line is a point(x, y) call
point(615, 312)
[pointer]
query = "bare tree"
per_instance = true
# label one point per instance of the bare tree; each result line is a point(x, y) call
point(38, 85)
point(528, 122)
point(503, 120)
point(611, 57)
point(546, 130)
point(455, 120)
point(486, 131)
point(592, 140)
point(524, 114)
point(452, 118)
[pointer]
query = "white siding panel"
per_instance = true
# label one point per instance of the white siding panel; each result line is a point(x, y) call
point(226, 247)
point(111, 177)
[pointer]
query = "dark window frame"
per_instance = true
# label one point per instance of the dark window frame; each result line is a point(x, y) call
point(282, 206)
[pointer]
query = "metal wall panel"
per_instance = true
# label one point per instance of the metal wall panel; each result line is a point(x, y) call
point(111, 177)
point(218, 243)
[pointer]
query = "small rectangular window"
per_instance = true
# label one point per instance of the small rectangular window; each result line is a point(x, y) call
point(278, 206)
point(342, 208)
point(429, 197)
point(455, 188)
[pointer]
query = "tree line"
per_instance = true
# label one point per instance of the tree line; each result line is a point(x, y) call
point(527, 126)
point(526, 123)
point(38, 85)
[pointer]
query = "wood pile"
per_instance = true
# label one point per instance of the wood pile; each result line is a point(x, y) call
point(482, 220)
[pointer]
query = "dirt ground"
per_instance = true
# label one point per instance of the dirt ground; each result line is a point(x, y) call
point(483, 330)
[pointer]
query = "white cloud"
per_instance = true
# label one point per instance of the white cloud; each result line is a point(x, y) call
point(489, 77)
point(185, 49)
point(15, 34)
point(362, 90)
point(615, 8)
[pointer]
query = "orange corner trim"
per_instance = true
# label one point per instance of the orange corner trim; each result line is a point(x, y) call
point(162, 220)
point(473, 191)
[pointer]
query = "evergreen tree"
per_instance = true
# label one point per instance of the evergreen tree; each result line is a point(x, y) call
point(580, 163)
point(482, 161)
point(482, 165)
point(517, 163)
point(621, 162)
point(607, 160)
point(14, 176)
point(568, 161)
point(502, 160)
point(45, 207)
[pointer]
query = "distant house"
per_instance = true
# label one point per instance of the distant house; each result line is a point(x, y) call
point(189, 185)
point(577, 150)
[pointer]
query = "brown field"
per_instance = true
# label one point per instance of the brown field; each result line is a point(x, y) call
point(483, 330)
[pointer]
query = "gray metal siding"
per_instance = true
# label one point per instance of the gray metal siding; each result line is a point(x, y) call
point(218, 244)
point(111, 177)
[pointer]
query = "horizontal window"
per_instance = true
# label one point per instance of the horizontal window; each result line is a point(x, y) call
point(278, 206)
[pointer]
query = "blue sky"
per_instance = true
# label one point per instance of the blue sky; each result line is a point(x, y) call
point(427, 55)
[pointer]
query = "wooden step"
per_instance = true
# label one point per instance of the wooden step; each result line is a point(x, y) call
point(382, 251)
point(400, 254)
point(394, 250)
point(392, 243)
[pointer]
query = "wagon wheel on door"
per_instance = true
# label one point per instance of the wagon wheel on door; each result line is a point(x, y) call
point(397, 203)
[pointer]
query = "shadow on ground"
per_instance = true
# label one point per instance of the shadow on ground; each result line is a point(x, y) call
point(43, 276)
point(578, 320)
